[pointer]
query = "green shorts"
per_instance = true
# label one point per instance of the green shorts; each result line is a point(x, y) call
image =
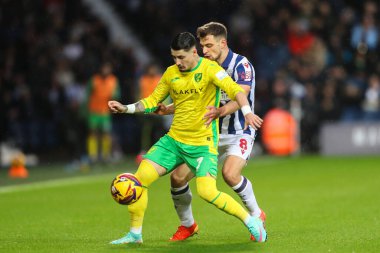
point(99, 122)
point(170, 153)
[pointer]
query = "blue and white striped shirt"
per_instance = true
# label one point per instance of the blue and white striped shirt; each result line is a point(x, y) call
point(243, 73)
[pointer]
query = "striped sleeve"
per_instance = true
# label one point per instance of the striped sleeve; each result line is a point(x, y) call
point(245, 73)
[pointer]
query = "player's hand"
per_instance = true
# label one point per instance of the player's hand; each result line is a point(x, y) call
point(161, 109)
point(252, 120)
point(117, 107)
point(213, 113)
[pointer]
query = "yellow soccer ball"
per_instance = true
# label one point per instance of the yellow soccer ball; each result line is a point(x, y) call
point(126, 189)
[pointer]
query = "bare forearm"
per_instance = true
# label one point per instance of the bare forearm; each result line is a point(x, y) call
point(241, 99)
point(243, 103)
point(228, 108)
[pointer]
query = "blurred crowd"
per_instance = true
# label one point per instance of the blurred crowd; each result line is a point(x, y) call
point(317, 59)
point(49, 51)
point(320, 56)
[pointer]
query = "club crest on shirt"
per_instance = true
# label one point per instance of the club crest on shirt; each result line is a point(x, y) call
point(198, 77)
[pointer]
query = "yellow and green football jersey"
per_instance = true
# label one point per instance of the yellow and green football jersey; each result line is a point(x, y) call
point(192, 91)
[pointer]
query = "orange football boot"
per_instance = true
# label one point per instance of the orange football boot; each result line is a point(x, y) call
point(183, 232)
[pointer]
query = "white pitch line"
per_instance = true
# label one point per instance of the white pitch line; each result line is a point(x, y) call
point(80, 179)
point(53, 183)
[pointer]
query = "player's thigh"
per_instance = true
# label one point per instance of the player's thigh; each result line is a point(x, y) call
point(165, 153)
point(202, 162)
point(236, 145)
point(234, 152)
point(222, 149)
point(233, 165)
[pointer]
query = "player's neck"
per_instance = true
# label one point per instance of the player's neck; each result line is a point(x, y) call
point(223, 56)
point(196, 62)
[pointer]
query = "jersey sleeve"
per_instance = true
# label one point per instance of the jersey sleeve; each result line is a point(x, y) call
point(160, 93)
point(245, 73)
point(221, 79)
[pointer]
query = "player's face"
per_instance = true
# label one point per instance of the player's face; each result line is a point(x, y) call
point(212, 47)
point(185, 60)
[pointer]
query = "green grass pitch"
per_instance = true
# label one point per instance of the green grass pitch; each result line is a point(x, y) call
point(313, 204)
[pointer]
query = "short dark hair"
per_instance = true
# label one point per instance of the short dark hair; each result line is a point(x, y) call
point(184, 40)
point(212, 28)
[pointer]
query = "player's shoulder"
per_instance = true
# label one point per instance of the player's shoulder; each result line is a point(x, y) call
point(211, 67)
point(171, 69)
point(170, 73)
point(242, 60)
point(209, 63)
point(244, 68)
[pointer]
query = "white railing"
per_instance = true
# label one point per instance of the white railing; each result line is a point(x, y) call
point(119, 31)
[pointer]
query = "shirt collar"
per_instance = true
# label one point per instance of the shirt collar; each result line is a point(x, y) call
point(228, 59)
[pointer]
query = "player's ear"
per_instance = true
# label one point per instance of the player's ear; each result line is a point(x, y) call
point(195, 52)
point(223, 42)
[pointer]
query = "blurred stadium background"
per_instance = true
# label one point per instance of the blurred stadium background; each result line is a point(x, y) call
point(316, 59)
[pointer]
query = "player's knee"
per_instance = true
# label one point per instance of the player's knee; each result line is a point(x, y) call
point(207, 192)
point(177, 180)
point(231, 176)
point(146, 173)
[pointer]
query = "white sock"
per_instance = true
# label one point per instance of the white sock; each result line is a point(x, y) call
point(182, 202)
point(136, 230)
point(245, 190)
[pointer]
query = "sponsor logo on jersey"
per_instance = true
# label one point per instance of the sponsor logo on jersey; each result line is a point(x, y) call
point(198, 77)
point(241, 75)
point(187, 91)
point(248, 75)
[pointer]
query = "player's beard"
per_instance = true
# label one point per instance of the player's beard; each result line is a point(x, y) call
point(215, 58)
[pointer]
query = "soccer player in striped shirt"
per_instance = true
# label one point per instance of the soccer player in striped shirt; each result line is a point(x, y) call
point(193, 83)
point(235, 143)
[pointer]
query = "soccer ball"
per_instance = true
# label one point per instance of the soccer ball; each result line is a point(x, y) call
point(126, 189)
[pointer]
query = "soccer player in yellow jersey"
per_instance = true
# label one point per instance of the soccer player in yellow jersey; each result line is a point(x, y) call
point(193, 83)
point(235, 142)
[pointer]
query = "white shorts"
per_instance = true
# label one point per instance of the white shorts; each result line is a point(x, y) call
point(237, 145)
